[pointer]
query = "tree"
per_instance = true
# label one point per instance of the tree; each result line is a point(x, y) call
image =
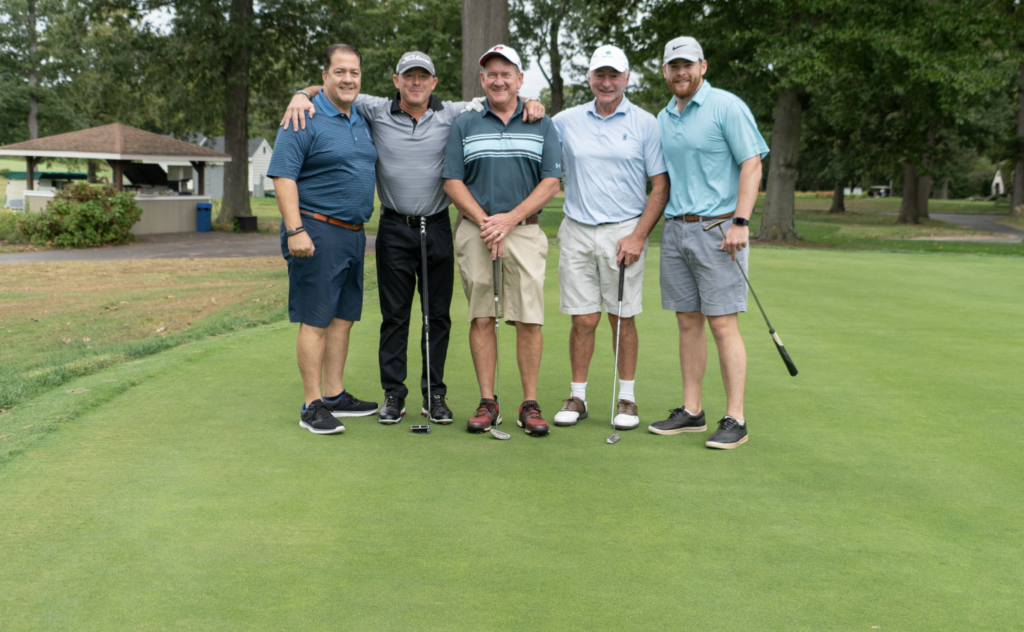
point(24, 67)
point(484, 24)
point(545, 28)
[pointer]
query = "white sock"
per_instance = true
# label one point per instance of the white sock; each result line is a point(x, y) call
point(579, 389)
point(688, 412)
point(740, 421)
point(626, 390)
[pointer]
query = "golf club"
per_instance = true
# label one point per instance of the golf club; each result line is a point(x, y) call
point(425, 428)
point(618, 327)
point(497, 434)
point(775, 337)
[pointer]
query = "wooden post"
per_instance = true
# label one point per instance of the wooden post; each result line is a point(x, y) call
point(200, 168)
point(30, 173)
point(118, 168)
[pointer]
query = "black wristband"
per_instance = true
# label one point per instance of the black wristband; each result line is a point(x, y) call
point(294, 231)
point(740, 221)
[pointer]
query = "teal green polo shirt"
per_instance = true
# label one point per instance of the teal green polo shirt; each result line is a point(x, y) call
point(704, 147)
point(501, 164)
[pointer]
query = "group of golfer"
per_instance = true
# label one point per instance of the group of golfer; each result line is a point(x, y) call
point(500, 160)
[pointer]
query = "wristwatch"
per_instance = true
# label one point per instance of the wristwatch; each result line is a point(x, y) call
point(305, 93)
point(740, 221)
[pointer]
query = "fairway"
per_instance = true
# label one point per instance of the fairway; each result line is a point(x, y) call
point(880, 487)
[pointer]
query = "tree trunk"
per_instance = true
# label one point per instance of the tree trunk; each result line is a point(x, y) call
point(557, 85)
point(33, 76)
point(943, 192)
point(777, 219)
point(90, 175)
point(908, 207)
point(924, 190)
point(1017, 201)
point(838, 201)
point(484, 24)
point(236, 115)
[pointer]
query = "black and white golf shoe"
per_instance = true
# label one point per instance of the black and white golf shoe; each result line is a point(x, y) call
point(439, 411)
point(679, 421)
point(348, 406)
point(729, 435)
point(392, 411)
point(318, 420)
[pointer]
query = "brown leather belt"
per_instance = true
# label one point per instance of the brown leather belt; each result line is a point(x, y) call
point(701, 218)
point(331, 220)
point(533, 219)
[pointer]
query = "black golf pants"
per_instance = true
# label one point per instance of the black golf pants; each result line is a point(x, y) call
point(399, 263)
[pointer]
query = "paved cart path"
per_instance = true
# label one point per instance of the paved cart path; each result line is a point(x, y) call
point(984, 223)
point(171, 246)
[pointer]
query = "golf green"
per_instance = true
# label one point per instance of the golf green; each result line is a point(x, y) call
point(880, 488)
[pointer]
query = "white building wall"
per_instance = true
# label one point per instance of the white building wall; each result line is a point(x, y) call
point(259, 164)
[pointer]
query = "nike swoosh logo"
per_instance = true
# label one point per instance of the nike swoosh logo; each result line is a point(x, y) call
point(680, 46)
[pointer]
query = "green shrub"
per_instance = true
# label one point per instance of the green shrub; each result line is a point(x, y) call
point(83, 216)
point(9, 227)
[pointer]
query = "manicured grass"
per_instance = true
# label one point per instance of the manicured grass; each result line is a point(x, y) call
point(880, 487)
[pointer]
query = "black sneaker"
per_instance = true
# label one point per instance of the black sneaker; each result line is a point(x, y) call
point(317, 419)
point(392, 411)
point(679, 421)
point(348, 406)
point(439, 411)
point(729, 435)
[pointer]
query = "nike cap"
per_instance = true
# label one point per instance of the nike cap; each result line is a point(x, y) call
point(414, 59)
point(683, 48)
point(609, 57)
point(501, 50)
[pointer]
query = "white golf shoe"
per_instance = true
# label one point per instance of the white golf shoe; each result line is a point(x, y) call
point(573, 410)
point(627, 417)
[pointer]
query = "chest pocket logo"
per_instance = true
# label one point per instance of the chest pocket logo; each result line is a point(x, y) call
point(623, 137)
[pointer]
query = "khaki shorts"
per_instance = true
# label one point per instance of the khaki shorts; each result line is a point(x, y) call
point(588, 274)
point(523, 262)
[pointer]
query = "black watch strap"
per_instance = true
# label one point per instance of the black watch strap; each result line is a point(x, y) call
point(740, 221)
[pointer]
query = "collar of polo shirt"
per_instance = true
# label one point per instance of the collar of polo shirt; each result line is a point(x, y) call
point(487, 108)
point(621, 108)
point(433, 103)
point(702, 93)
point(324, 105)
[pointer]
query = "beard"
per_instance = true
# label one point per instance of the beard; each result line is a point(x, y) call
point(692, 89)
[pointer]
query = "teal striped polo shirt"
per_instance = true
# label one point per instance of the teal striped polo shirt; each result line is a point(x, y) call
point(501, 164)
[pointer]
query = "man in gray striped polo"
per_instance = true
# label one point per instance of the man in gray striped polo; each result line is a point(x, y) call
point(499, 173)
point(410, 133)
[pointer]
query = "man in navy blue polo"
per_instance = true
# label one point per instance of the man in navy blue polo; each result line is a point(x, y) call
point(323, 179)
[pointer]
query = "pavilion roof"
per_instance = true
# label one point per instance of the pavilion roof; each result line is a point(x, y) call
point(114, 142)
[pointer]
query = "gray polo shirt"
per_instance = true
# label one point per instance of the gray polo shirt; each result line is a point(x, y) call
point(410, 153)
point(502, 164)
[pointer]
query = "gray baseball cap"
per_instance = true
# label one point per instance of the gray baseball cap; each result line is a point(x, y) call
point(683, 48)
point(414, 59)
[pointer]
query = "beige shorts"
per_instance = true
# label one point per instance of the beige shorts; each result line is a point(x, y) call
point(523, 262)
point(588, 274)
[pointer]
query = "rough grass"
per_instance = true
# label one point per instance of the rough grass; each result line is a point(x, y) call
point(871, 494)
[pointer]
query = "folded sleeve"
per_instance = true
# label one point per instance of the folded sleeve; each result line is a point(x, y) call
point(454, 159)
point(551, 160)
point(741, 133)
point(290, 151)
point(654, 158)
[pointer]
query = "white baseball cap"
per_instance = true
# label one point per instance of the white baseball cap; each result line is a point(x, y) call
point(611, 57)
point(507, 52)
point(683, 48)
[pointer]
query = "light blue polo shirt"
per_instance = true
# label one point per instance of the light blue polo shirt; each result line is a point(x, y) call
point(331, 162)
point(704, 148)
point(607, 161)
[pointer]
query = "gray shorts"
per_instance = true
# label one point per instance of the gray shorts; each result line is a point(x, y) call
point(695, 275)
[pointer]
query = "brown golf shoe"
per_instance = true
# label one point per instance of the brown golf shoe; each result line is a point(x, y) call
point(487, 415)
point(573, 410)
point(530, 419)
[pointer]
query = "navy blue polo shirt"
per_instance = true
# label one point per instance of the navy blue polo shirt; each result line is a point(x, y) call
point(331, 161)
point(501, 164)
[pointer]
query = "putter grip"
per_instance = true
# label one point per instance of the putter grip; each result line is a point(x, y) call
point(494, 274)
point(782, 352)
point(622, 279)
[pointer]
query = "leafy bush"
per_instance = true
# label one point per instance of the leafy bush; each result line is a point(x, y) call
point(83, 216)
point(9, 227)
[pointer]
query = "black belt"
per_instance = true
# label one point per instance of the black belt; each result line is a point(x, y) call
point(413, 221)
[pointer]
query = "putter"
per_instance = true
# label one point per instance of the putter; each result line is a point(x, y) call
point(497, 434)
point(425, 428)
point(775, 337)
point(618, 327)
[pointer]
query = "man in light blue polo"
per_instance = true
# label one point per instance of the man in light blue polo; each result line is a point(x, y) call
point(610, 148)
point(713, 151)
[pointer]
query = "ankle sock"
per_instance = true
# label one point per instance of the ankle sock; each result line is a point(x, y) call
point(626, 390)
point(692, 414)
point(579, 389)
point(739, 421)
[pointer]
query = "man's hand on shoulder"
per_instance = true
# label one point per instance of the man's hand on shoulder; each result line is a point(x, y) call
point(736, 239)
point(296, 112)
point(533, 111)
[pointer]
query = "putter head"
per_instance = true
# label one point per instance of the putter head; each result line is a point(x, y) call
point(501, 436)
point(614, 438)
point(421, 429)
point(715, 223)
